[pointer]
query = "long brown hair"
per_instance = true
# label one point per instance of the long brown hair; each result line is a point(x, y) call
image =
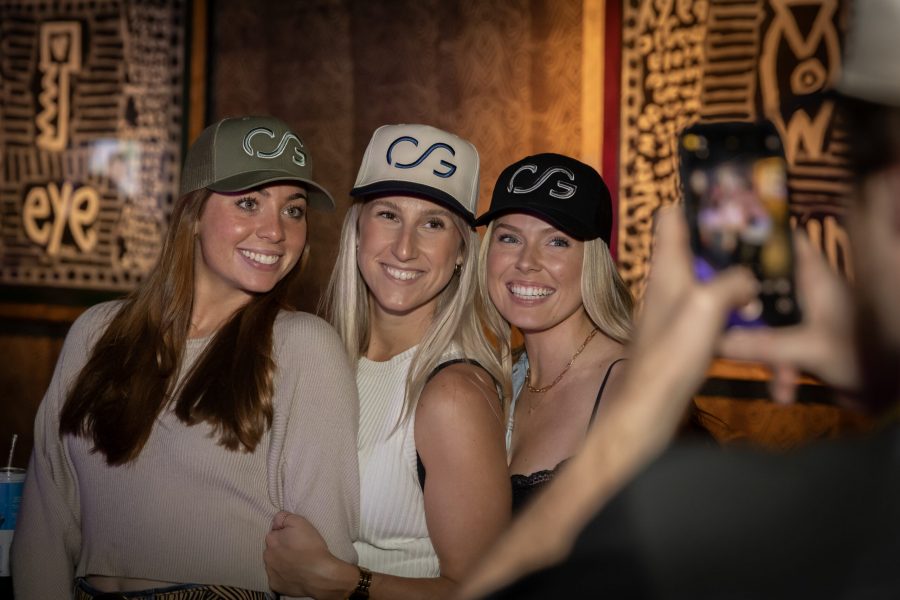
point(130, 376)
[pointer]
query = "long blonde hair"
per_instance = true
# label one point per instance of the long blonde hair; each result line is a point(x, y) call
point(605, 297)
point(455, 323)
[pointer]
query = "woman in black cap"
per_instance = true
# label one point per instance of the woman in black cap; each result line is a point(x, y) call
point(545, 268)
point(182, 418)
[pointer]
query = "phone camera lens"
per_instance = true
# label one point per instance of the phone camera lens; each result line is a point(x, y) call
point(784, 306)
point(783, 287)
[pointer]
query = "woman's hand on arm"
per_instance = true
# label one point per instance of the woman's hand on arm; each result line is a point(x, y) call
point(298, 562)
point(459, 436)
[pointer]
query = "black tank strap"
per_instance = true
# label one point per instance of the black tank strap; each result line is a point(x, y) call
point(602, 387)
point(446, 364)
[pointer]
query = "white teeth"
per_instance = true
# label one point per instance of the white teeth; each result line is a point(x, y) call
point(265, 259)
point(401, 274)
point(527, 291)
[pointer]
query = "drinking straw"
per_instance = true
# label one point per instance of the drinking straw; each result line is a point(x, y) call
point(12, 448)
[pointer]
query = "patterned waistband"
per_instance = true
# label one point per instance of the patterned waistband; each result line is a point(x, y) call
point(84, 591)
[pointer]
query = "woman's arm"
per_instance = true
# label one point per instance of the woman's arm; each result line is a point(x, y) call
point(459, 437)
point(316, 464)
point(47, 540)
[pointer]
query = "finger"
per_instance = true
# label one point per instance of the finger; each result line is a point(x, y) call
point(670, 275)
point(788, 345)
point(783, 385)
point(811, 265)
point(703, 315)
point(672, 251)
point(733, 287)
point(279, 519)
point(271, 574)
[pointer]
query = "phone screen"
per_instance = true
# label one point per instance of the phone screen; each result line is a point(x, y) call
point(734, 177)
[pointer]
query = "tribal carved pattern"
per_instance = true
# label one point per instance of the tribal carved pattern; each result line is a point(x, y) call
point(90, 139)
point(687, 61)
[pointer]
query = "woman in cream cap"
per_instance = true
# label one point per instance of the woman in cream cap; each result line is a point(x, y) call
point(434, 488)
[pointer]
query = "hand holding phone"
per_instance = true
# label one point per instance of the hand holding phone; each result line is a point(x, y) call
point(734, 177)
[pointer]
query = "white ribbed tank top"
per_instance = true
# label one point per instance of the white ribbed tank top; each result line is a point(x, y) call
point(393, 535)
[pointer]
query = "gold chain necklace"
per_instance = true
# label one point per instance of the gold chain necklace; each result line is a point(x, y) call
point(541, 390)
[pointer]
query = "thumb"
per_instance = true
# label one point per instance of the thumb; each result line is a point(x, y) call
point(783, 385)
point(279, 519)
point(734, 287)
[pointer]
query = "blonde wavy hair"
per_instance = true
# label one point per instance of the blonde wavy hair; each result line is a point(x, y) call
point(455, 323)
point(605, 297)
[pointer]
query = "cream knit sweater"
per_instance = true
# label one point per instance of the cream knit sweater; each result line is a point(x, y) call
point(188, 510)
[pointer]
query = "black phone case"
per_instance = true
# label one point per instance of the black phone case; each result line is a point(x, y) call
point(706, 147)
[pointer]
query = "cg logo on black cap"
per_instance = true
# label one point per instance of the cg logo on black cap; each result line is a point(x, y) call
point(451, 168)
point(561, 189)
point(298, 158)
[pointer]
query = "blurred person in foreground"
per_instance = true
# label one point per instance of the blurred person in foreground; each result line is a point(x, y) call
point(823, 521)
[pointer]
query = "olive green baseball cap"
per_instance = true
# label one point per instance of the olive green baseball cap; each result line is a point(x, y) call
point(241, 153)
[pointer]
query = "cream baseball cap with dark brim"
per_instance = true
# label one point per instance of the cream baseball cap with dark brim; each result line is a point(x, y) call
point(241, 153)
point(423, 161)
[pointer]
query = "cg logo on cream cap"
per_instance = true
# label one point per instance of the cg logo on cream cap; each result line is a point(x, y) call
point(451, 168)
point(423, 161)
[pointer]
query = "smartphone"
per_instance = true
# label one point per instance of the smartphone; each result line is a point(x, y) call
point(734, 179)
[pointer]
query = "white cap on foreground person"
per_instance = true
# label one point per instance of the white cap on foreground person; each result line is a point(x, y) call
point(823, 521)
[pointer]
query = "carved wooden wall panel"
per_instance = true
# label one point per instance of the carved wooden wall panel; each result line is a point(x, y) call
point(685, 61)
point(90, 139)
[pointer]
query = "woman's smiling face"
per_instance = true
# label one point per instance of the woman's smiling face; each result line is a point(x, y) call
point(248, 241)
point(408, 249)
point(533, 272)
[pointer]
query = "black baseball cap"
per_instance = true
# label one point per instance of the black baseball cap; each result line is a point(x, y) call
point(565, 192)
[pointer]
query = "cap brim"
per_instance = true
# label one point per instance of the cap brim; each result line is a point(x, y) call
point(318, 196)
point(561, 221)
point(417, 189)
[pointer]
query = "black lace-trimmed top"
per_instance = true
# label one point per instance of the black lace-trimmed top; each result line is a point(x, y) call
point(525, 486)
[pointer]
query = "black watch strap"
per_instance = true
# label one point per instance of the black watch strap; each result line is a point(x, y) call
point(362, 586)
